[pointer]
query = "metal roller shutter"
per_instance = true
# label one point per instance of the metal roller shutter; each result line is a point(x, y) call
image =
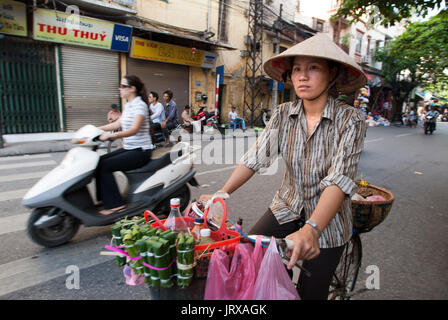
point(91, 80)
point(158, 77)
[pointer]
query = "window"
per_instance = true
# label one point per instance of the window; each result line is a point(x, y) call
point(318, 24)
point(222, 20)
point(358, 46)
point(280, 49)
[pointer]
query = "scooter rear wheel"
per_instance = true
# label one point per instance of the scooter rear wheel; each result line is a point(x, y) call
point(54, 235)
point(163, 209)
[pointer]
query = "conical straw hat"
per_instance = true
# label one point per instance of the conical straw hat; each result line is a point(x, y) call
point(351, 76)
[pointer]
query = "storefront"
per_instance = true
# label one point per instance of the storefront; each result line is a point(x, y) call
point(159, 77)
point(28, 84)
point(90, 78)
point(89, 64)
point(163, 66)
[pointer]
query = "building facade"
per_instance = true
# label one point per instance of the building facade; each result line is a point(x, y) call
point(62, 62)
point(360, 40)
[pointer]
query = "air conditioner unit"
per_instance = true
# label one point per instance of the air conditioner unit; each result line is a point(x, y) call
point(366, 59)
point(244, 53)
point(247, 40)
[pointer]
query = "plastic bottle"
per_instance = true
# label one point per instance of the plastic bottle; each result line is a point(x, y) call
point(196, 231)
point(239, 224)
point(175, 221)
point(205, 237)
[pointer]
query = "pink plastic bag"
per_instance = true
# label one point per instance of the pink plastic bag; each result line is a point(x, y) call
point(238, 282)
point(273, 281)
point(132, 279)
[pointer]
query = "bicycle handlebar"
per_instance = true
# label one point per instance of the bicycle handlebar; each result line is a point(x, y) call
point(282, 245)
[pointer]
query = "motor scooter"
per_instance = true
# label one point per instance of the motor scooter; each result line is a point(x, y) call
point(444, 117)
point(430, 124)
point(64, 198)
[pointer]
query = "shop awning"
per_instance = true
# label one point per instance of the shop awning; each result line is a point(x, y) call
point(420, 94)
point(139, 23)
point(104, 8)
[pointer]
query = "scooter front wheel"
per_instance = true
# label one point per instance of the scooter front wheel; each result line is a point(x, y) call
point(51, 234)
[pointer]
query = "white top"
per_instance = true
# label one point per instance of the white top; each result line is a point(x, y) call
point(158, 113)
point(232, 115)
point(141, 139)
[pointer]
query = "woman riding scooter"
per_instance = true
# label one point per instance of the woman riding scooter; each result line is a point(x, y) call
point(137, 144)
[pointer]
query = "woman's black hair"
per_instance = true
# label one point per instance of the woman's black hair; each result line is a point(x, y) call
point(155, 95)
point(139, 86)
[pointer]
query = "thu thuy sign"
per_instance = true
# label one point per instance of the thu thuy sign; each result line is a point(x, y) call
point(61, 27)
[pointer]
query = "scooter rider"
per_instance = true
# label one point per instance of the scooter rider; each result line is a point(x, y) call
point(435, 114)
point(137, 144)
point(321, 140)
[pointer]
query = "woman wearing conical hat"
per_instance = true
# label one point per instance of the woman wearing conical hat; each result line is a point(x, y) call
point(320, 139)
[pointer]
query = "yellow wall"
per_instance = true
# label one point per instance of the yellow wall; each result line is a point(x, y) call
point(189, 14)
point(193, 15)
point(198, 76)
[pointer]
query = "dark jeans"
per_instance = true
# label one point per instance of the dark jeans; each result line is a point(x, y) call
point(118, 160)
point(168, 128)
point(321, 268)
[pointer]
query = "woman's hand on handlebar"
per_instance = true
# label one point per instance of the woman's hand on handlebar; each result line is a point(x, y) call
point(306, 245)
point(219, 194)
point(106, 136)
point(205, 197)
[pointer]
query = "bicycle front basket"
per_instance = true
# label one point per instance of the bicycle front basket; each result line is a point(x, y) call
point(368, 214)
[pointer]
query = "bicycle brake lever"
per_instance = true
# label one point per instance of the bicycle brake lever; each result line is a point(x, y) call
point(282, 245)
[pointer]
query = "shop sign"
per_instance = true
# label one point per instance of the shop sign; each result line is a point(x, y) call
point(163, 52)
point(13, 18)
point(61, 27)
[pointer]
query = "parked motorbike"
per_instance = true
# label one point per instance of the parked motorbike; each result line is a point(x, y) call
point(200, 116)
point(64, 198)
point(430, 124)
point(266, 116)
point(444, 118)
point(209, 121)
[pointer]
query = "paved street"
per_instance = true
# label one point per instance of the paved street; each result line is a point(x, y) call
point(410, 247)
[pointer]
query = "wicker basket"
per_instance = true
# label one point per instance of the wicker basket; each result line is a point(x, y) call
point(368, 214)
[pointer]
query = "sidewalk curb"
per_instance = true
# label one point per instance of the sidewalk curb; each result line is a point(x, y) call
point(48, 146)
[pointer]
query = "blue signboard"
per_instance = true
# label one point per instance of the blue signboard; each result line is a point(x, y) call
point(280, 86)
point(220, 71)
point(121, 38)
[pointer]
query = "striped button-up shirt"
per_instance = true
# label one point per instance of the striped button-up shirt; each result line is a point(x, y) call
point(329, 156)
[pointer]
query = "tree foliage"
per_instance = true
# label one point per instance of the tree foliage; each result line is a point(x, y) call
point(390, 12)
point(422, 50)
point(419, 56)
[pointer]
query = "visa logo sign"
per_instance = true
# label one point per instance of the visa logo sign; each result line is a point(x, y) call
point(121, 38)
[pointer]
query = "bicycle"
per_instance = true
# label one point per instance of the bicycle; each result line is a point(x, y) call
point(344, 278)
point(366, 216)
